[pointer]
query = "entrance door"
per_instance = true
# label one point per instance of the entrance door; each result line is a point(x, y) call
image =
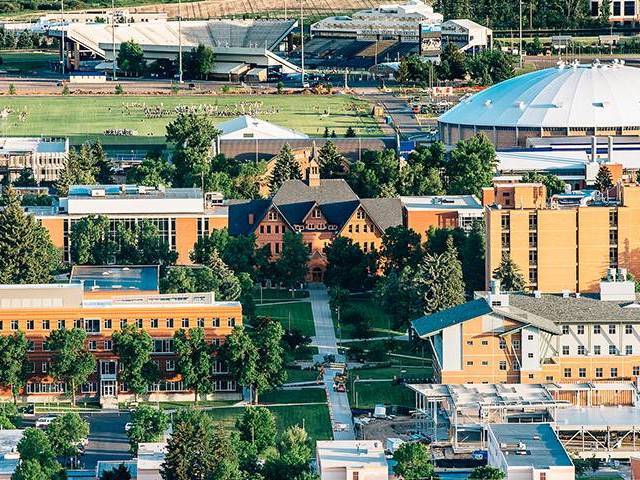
point(108, 388)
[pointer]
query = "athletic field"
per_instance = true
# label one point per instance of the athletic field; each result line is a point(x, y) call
point(89, 116)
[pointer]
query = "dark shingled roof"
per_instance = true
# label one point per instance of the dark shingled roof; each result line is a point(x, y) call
point(239, 211)
point(385, 212)
point(585, 309)
point(451, 316)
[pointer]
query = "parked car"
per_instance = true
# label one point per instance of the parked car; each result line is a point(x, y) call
point(44, 422)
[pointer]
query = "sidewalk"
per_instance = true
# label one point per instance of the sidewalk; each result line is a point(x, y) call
point(325, 339)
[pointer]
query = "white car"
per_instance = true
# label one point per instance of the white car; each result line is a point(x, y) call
point(44, 422)
point(127, 426)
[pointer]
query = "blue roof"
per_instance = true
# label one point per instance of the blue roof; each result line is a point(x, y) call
point(435, 322)
point(542, 447)
point(109, 465)
point(97, 278)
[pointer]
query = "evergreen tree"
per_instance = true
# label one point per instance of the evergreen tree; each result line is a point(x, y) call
point(604, 180)
point(194, 360)
point(332, 162)
point(350, 132)
point(285, 168)
point(71, 363)
point(91, 241)
point(14, 367)
point(133, 347)
point(440, 279)
point(103, 166)
point(472, 258)
point(27, 254)
point(228, 286)
point(604, 12)
point(121, 472)
point(511, 279)
point(80, 168)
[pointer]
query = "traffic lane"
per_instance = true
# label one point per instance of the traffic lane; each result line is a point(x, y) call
point(107, 438)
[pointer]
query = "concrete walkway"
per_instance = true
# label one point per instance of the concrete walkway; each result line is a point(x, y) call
point(325, 339)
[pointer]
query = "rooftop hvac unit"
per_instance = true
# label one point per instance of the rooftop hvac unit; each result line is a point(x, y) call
point(98, 192)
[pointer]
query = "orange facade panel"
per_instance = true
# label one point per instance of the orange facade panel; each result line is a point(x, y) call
point(55, 226)
point(422, 221)
point(593, 247)
point(556, 250)
point(186, 237)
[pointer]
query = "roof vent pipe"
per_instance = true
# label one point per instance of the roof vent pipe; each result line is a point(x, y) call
point(610, 149)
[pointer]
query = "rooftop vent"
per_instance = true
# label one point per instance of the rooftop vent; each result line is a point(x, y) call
point(487, 103)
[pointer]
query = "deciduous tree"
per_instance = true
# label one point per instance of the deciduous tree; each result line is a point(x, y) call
point(71, 362)
point(257, 426)
point(14, 367)
point(347, 265)
point(291, 266)
point(66, 433)
point(194, 360)
point(401, 246)
point(471, 166)
point(293, 458)
point(131, 58)
point(148, 424)
point(152, 172)
point(487, 472)
point(413, 461)
point(133, 347)
point(198, 63)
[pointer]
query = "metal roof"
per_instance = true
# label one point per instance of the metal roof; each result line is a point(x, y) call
point(579, 96)
point(98, 278)
point(435, 322)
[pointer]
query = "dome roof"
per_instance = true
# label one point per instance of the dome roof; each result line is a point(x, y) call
point(570, 95)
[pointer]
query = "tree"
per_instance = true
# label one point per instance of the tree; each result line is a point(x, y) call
point(199, 62)
point(227, 284)
point(27, 254)
point(286, 167)
point(347, 265)
point(490, 66)
point(376, 174)
point(293, 456)
point(511, 279)
point(414, 69)
point(400, 247)
point(350, 132)
point(83, 167)
point(71, 363)
point(472, 256)
point(25, 179)
point(121, 472)
point(30, 470)
point(194, 360)
point(471, 166)
point(487, 472)
point(453, 63)
point(440, 280)
point(131, 58)
point(14, 368)
point(66, 433)
point(332, 162)
point(552, 183)
point(152, 172)
point(604, 12)
point(399, 294)
point(414, 462)
point(148, 424)
point(604, 180)
point(417, 180)
point(291, 266)
point(257, 425)
point(198, 449)
point(102, 165)
point(37, 458)
point(192, 135)
point(91, 241)
point(133, 347)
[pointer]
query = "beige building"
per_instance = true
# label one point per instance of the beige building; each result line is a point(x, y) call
point(44, 156)
point(351, 460)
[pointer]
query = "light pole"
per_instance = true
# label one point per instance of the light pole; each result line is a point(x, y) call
point(62, 36)
point(520, 39)
point(302, 38)
point(113, 37)
point(179, 41)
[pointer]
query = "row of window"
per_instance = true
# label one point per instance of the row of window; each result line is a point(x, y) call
point(597, 329)
point(92, 325)
point(599, 372)
point(366, 228)
point(502, 364)
point(218, 367)
point(597, 350)
point(162, 345)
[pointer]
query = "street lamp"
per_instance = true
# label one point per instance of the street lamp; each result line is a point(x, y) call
point(113, 37)
point(62, 35)
point(180, 41)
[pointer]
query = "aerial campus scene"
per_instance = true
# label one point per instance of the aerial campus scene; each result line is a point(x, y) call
point(319, 240)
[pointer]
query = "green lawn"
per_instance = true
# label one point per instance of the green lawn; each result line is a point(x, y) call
point(272, 295)
point(86, 117)
point(24, 62)
point(381, 321)
point(396, 371)
point(292, 315)
point(315, 419)
point(298, 375)
point(301, 395)
point(371, 393)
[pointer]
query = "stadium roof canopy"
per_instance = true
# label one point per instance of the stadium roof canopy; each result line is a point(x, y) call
point(566, 96)
point(251, 127)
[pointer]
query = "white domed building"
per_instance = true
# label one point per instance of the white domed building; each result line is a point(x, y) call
point(567, 100)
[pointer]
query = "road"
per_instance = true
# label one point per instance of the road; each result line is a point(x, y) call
point(325, 339)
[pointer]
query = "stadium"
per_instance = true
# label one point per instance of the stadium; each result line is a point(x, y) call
point(239, 45)
point(570, 100)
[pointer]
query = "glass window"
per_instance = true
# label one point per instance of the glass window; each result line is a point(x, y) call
point(565, 349)
point(613, 350)
point(596, 349)
point(598, 372)
point(597, 330)
point(580, 329)
point(503, 365)
point(565, 329)
point(614, 372)
point(628, 329)
point(567, 373)
point(582, 372)
point(612, 329)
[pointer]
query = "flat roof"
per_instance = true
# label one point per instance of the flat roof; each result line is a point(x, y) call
point(542, 449)
point(594, 417)
point(33, 144)
point(151, 455)
point(351, 453)
point(563, 159)
point(99, 192)
point(8, 450)
point(442, 202)
point(112, 278)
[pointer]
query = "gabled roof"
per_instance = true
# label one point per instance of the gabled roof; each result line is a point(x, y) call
point(433, 323)
point(261, 128)
point(239, 211)
point(385, 212)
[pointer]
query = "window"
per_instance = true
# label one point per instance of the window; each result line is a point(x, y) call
point(567, 373)
point(185, 323)
point(231, 322)
point(613, 350)
point(580, 329)
point(170, 365)
point(215, 342)
point(92, 325)
point(613, 218)
point(612, 329)
point(154, 323)
point(628, 350)
point(529, 355)
point(628, 329)
point(596, 349)
point(598, 372)
point(530, 337)
point(505, 221)
point(533, 243)
point(45, 367)
point(581, 350)
point(139, 322)
point(316, 213)
point(164, 345)
point(169, 322)
point(31, 346)
point(355, 475)
point(614, 372)
point(108, 345)
point(107, 324)
point(484, 342)
point(93, 345)
point(516, 344)
point(46, 325)
point(502, 365)
point(565, 349)
point(582, 372)
point(123, 322)
point(45, 347)
point(215, 322)
point(272, 215)
point(597, 330)
point(470, 363)
point(533, 221)
point(201, 322)
point(533, 257)
point(485, 363)
point(565, 329)
point(61, 324)
point(360, 215)
point(268, 228)
point(31, 325)
point(635, 370)
point(503, 343)
point(543, 476)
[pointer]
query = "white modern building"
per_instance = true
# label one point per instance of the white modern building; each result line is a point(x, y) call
point(466, 34)
point(45, 156)
point(528, 452)
point(386, 22)
point(443, 211)
point(250, 127)
point(351, 460)
point(575, 100)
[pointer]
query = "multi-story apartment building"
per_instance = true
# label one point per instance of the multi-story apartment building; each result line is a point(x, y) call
point(37, 310)
point(537, 338)
point(564, 245)
point(182, 215)
point(320, 210)
point(441, 211)
point(45, 157)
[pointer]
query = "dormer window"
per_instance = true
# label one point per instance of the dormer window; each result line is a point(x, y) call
point(316, 213)
point(272, 215)
point(360, 215)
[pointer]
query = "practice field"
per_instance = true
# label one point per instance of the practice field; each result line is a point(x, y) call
point(89, 116)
